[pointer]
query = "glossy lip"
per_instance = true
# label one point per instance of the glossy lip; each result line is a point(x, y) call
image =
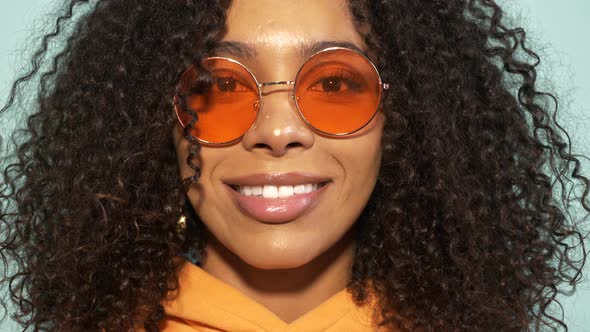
point(276, 179)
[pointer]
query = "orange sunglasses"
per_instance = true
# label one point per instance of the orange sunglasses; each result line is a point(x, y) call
point(337, 92)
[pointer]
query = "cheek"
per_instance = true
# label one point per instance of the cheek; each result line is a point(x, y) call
point(363, 169)
point(360, 159)
point(206, 160)
point(361, 154)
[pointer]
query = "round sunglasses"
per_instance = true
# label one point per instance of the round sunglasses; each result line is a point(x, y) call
point(337, 92)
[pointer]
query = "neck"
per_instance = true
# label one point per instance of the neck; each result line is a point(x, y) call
point(289, 293)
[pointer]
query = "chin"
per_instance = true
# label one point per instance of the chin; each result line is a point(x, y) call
point(278, 259)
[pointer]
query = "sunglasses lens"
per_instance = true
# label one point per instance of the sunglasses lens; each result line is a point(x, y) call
point(227, 109)
point(338, 91)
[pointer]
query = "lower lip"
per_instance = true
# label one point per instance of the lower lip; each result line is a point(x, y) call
point(277, 210)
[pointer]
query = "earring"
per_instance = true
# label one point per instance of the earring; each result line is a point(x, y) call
point(181, 225)
point(181, 222)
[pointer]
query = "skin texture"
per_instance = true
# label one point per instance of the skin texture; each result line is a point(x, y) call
point(294, 266)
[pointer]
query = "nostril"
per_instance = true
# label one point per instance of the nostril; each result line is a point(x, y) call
point(261, 146)
point(294, 145)
point(266, 146)
point(278, 150)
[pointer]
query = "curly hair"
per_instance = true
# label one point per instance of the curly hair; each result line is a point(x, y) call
point(464, 230)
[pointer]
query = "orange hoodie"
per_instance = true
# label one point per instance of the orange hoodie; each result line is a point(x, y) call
point(205, 303)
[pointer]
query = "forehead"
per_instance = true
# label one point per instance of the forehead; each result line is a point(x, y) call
point(278, 26)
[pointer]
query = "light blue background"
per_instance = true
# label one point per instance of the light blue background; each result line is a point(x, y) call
point(558, 30)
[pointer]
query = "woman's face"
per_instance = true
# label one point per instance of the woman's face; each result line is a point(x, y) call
point(275, 233)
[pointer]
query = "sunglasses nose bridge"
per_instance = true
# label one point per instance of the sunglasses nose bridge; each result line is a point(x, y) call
point(263, 84)
point(289, 85)
point(262, 91)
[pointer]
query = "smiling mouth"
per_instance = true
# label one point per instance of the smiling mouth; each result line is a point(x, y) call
point(277, 204)
point(278, 191)
point(277, 198)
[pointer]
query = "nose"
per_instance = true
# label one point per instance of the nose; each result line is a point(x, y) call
point(278, 128)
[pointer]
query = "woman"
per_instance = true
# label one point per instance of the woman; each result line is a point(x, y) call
point(400, 184)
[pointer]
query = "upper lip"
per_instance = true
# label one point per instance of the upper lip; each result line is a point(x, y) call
point(277, 179)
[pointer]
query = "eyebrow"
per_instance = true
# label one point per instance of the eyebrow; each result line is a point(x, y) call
point(247, 51)
point(235, 48)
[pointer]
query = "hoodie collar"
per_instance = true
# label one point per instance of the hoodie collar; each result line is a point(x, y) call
point(203, 301)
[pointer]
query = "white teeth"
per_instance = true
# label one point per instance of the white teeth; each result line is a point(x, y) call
point(299, 189)
point(257, 191)
point(285, 191)
point(269, 191)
